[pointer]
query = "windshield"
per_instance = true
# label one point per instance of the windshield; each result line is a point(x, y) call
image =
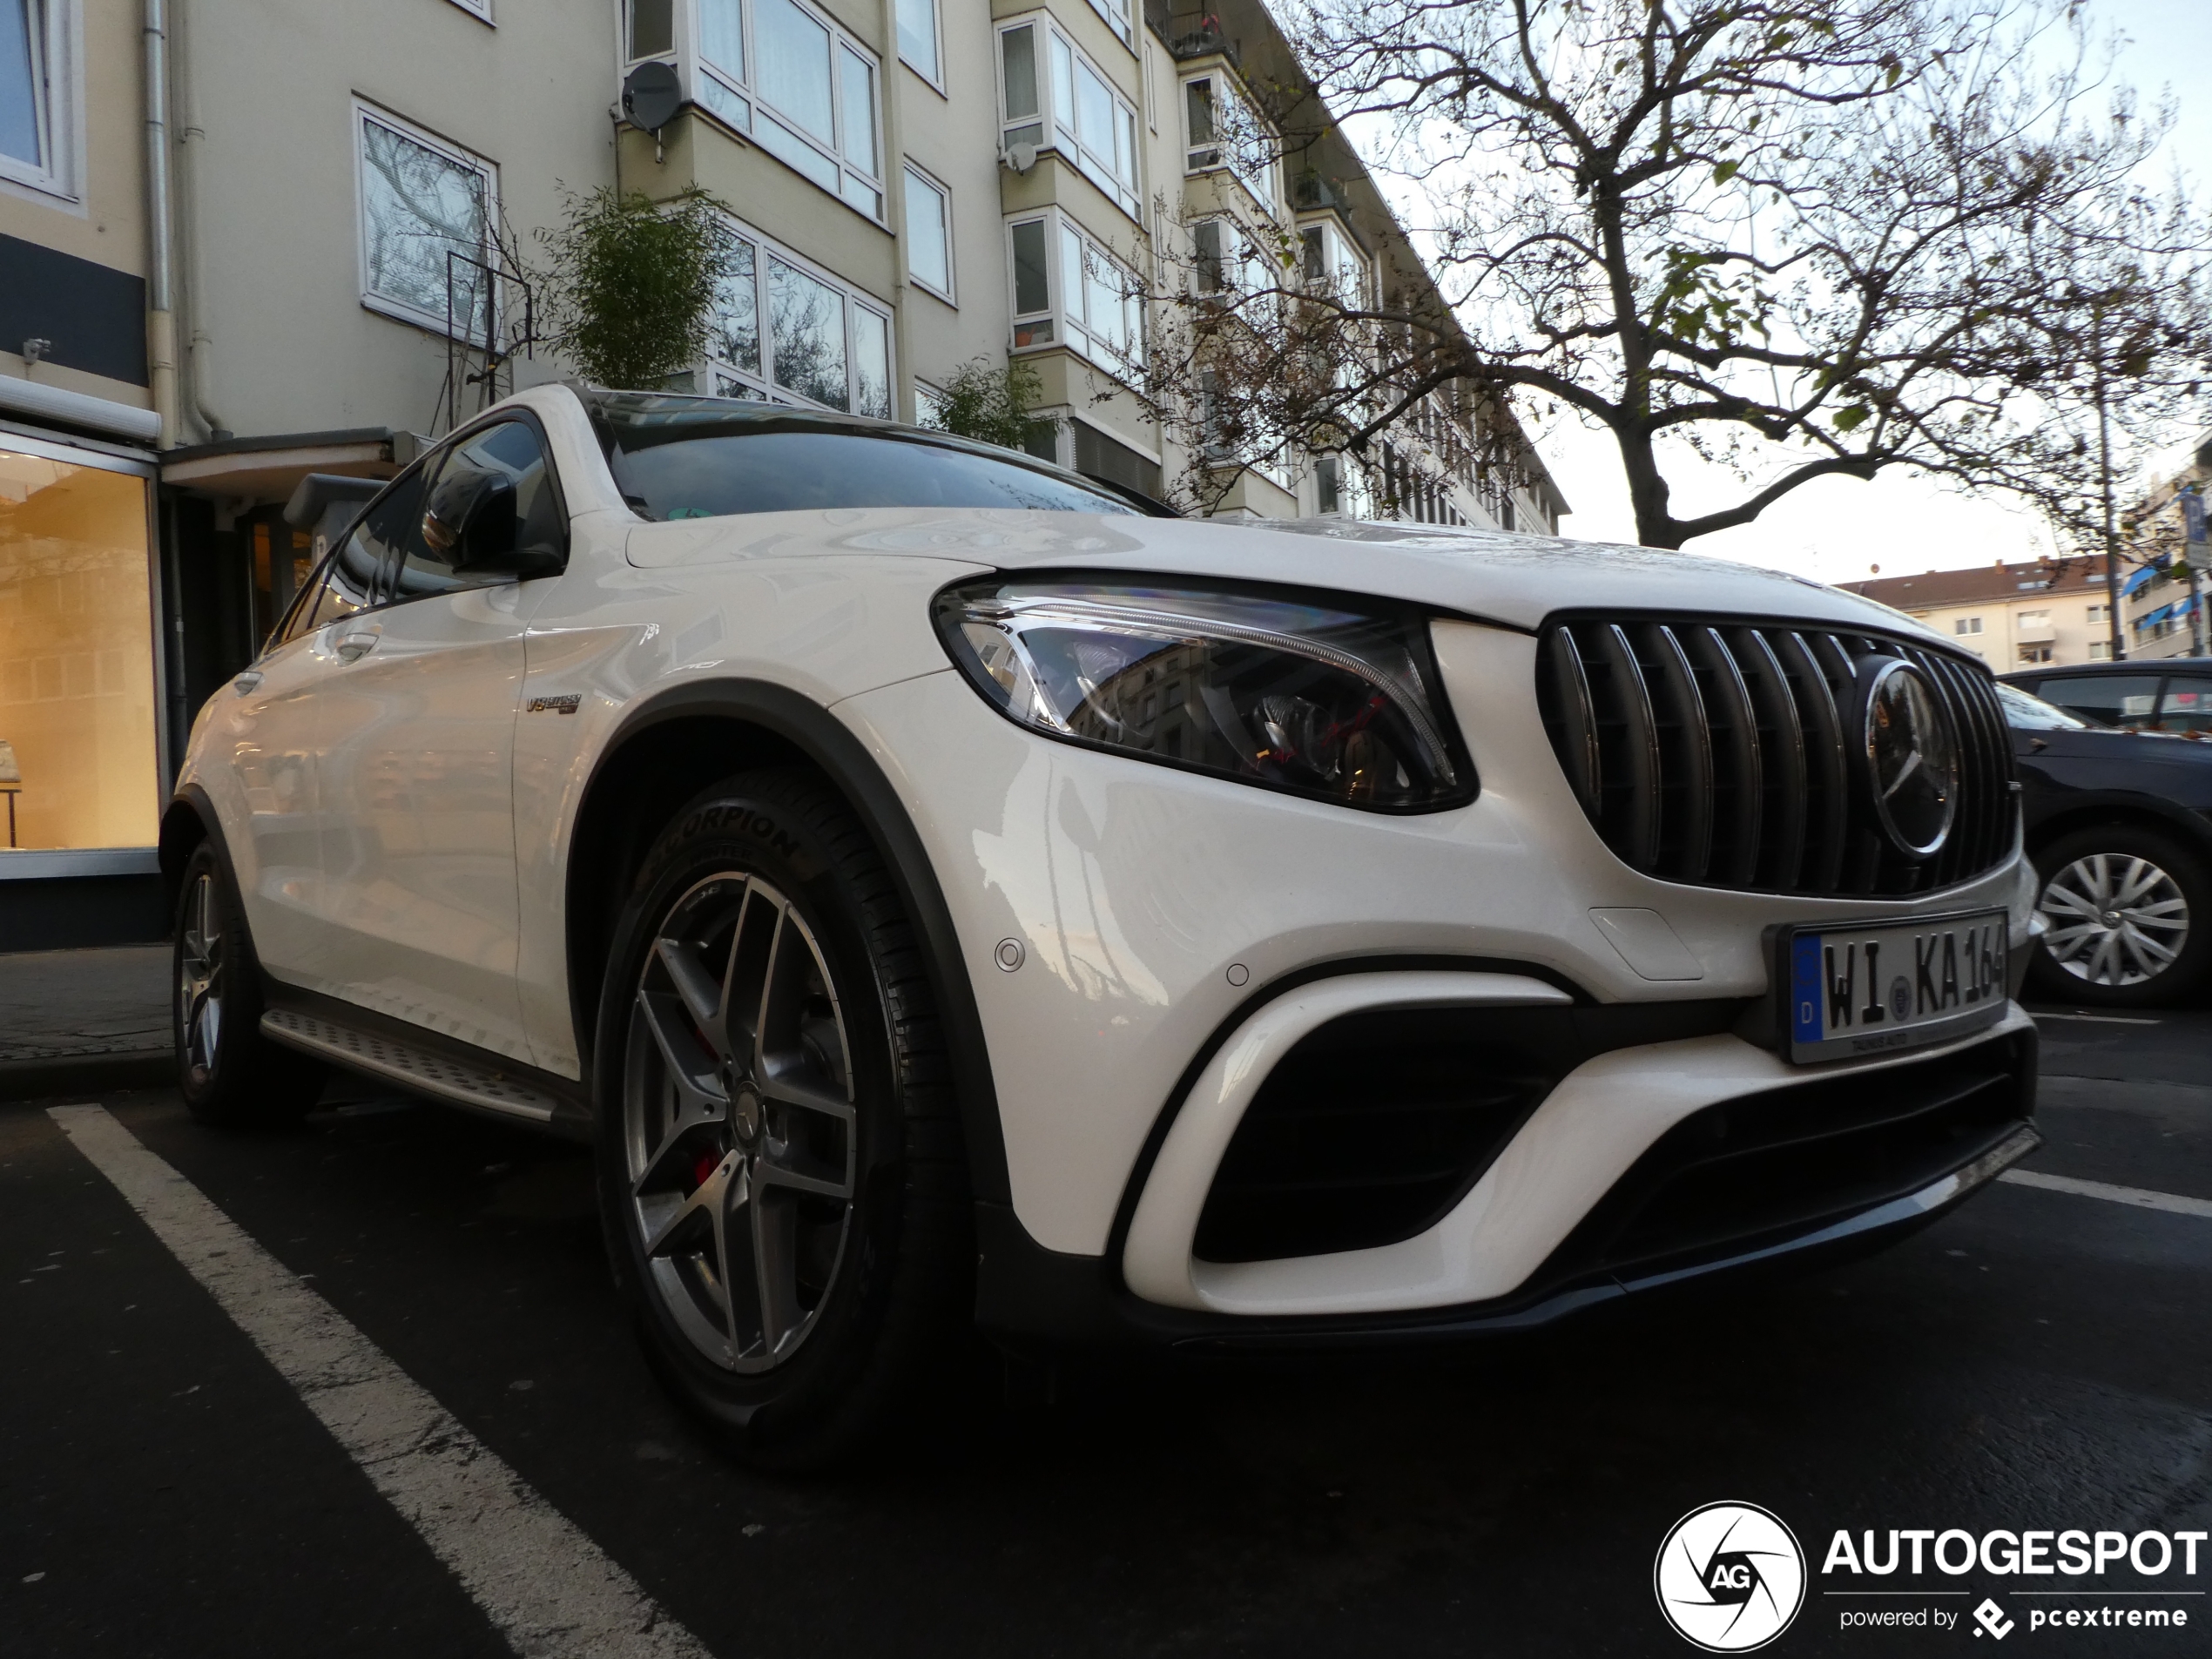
point(695, 457)
point(2026, 713)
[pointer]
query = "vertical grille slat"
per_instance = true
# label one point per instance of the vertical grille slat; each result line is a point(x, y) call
point(1690, 776)
point(1720, 754)
point(1640, 744)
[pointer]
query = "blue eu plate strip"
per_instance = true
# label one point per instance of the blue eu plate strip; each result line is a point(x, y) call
point(1805, 988)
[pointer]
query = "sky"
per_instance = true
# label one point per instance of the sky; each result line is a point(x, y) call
point(1837, 530)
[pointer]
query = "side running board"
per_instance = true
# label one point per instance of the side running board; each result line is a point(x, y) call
point(412, 1068)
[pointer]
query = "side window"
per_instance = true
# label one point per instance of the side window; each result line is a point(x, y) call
point(510, 451)
point(348, 579)
point(2188, 704)
point(2116, 699)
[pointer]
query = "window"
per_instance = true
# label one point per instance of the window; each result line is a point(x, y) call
point(918, 38)
point(1965, 625)
point(821, 343)
point(77, 709)
point(1090, 124)
point(1327, 487)
point(778, 70)
point(2098, 616)
point(38, 94)
point(676, 458)
point(509, 449)
point(2116, 699)
point(1221, 130)
point(2100, 651)
point(1226, 260)
point(1117, 14)
point(2035, 654)
point(476, 8)
point(426, 210)
point(2188, 704)
point(929, 249)
point(2035, 619)
point(1095, 303)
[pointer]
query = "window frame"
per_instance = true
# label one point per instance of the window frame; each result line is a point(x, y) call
point(1062, 136)
point(732, 99)
point(58, 45)
point(1221, 147)
point(1120, 17)
point(479, 10)
point(761, 382)
point(1070, 330)
point(935, 81)
point(914, 171)
point(1965, 627)
point(365, 113)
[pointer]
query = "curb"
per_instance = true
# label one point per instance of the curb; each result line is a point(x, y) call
point(44, 1075)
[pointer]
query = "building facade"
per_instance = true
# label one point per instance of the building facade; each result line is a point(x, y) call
point(2162, 600)
point(2013, 616)
point(244, 242)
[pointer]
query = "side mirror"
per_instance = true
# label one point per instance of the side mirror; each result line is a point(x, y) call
point(473, 522)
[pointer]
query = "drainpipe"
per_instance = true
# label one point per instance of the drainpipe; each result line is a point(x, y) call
point(194, 376)
point(161, 320)
point(894, 184)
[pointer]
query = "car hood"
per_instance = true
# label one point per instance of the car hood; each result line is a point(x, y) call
point(1517, 580)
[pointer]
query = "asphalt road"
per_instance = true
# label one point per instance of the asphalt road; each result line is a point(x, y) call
point(2038, 1360)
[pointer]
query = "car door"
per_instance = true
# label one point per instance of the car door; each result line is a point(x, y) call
point(415, 750)
point(266, 729)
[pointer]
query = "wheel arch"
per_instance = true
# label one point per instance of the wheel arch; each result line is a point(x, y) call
point(2146, 812)
point(186, 822)
point(679, 741)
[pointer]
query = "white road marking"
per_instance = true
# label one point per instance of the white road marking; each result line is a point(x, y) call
point(2142, 1197)
point(2097, 1019)
point(546, 1587)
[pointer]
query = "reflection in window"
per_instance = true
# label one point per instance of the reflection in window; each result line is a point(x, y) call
point(807, 321)
point(419, 202)
point(736, 310)
point(871, 364)
point(76, 702)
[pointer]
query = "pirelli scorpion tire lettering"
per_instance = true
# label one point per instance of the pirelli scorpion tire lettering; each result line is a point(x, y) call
point(780, 1172)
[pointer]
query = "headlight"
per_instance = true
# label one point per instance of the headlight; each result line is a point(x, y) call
point(1336, 705)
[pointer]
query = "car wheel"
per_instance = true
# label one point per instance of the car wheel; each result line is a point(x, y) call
point(229, 1073)
point(2129, 910)
point(781, 1178)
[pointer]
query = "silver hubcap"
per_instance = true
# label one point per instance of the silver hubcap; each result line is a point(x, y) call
point(199, 975)
point(2115, 919)
point(739, 1121)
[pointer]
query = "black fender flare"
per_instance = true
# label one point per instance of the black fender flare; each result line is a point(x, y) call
point(827, 743)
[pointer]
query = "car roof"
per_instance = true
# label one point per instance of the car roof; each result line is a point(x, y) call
point(2152, 665)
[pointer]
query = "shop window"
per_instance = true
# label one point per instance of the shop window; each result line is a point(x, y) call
point(77, 677)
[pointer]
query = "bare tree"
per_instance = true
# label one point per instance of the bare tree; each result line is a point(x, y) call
point(1801, 238)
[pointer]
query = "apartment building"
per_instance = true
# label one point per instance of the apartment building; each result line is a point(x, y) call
point(2012, 615)
point(2163, 601)
point(244, 242)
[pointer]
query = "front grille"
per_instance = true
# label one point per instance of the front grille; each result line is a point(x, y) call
point(1725, 754)
point(1775, 1165)
point(1375, 1125)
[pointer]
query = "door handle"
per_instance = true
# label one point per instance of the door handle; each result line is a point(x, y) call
point(246, 682)
point(353, 646)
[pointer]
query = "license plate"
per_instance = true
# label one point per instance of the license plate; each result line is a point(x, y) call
point(1897, 985)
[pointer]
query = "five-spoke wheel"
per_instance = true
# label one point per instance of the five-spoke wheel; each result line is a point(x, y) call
point(739, 1113)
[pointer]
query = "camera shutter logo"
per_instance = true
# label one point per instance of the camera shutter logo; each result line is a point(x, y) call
point(1730, 1577)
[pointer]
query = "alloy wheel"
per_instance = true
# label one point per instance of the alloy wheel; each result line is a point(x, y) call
point(199, 974)
point(739, 1123)
point(2115, 919)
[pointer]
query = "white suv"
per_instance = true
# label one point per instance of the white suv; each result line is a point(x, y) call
point(953, 891)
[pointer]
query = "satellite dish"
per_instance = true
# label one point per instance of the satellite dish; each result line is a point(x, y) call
point(651, 95)
point(1021, 157)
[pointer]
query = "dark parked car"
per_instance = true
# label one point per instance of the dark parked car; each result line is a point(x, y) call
point(2119, 822)
point(2174, 695)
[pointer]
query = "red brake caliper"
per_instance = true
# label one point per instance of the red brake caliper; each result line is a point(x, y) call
point(704, 1168)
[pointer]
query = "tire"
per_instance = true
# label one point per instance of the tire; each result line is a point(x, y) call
point(2130, 913)
point(230, 1076)
point(781, 1178)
